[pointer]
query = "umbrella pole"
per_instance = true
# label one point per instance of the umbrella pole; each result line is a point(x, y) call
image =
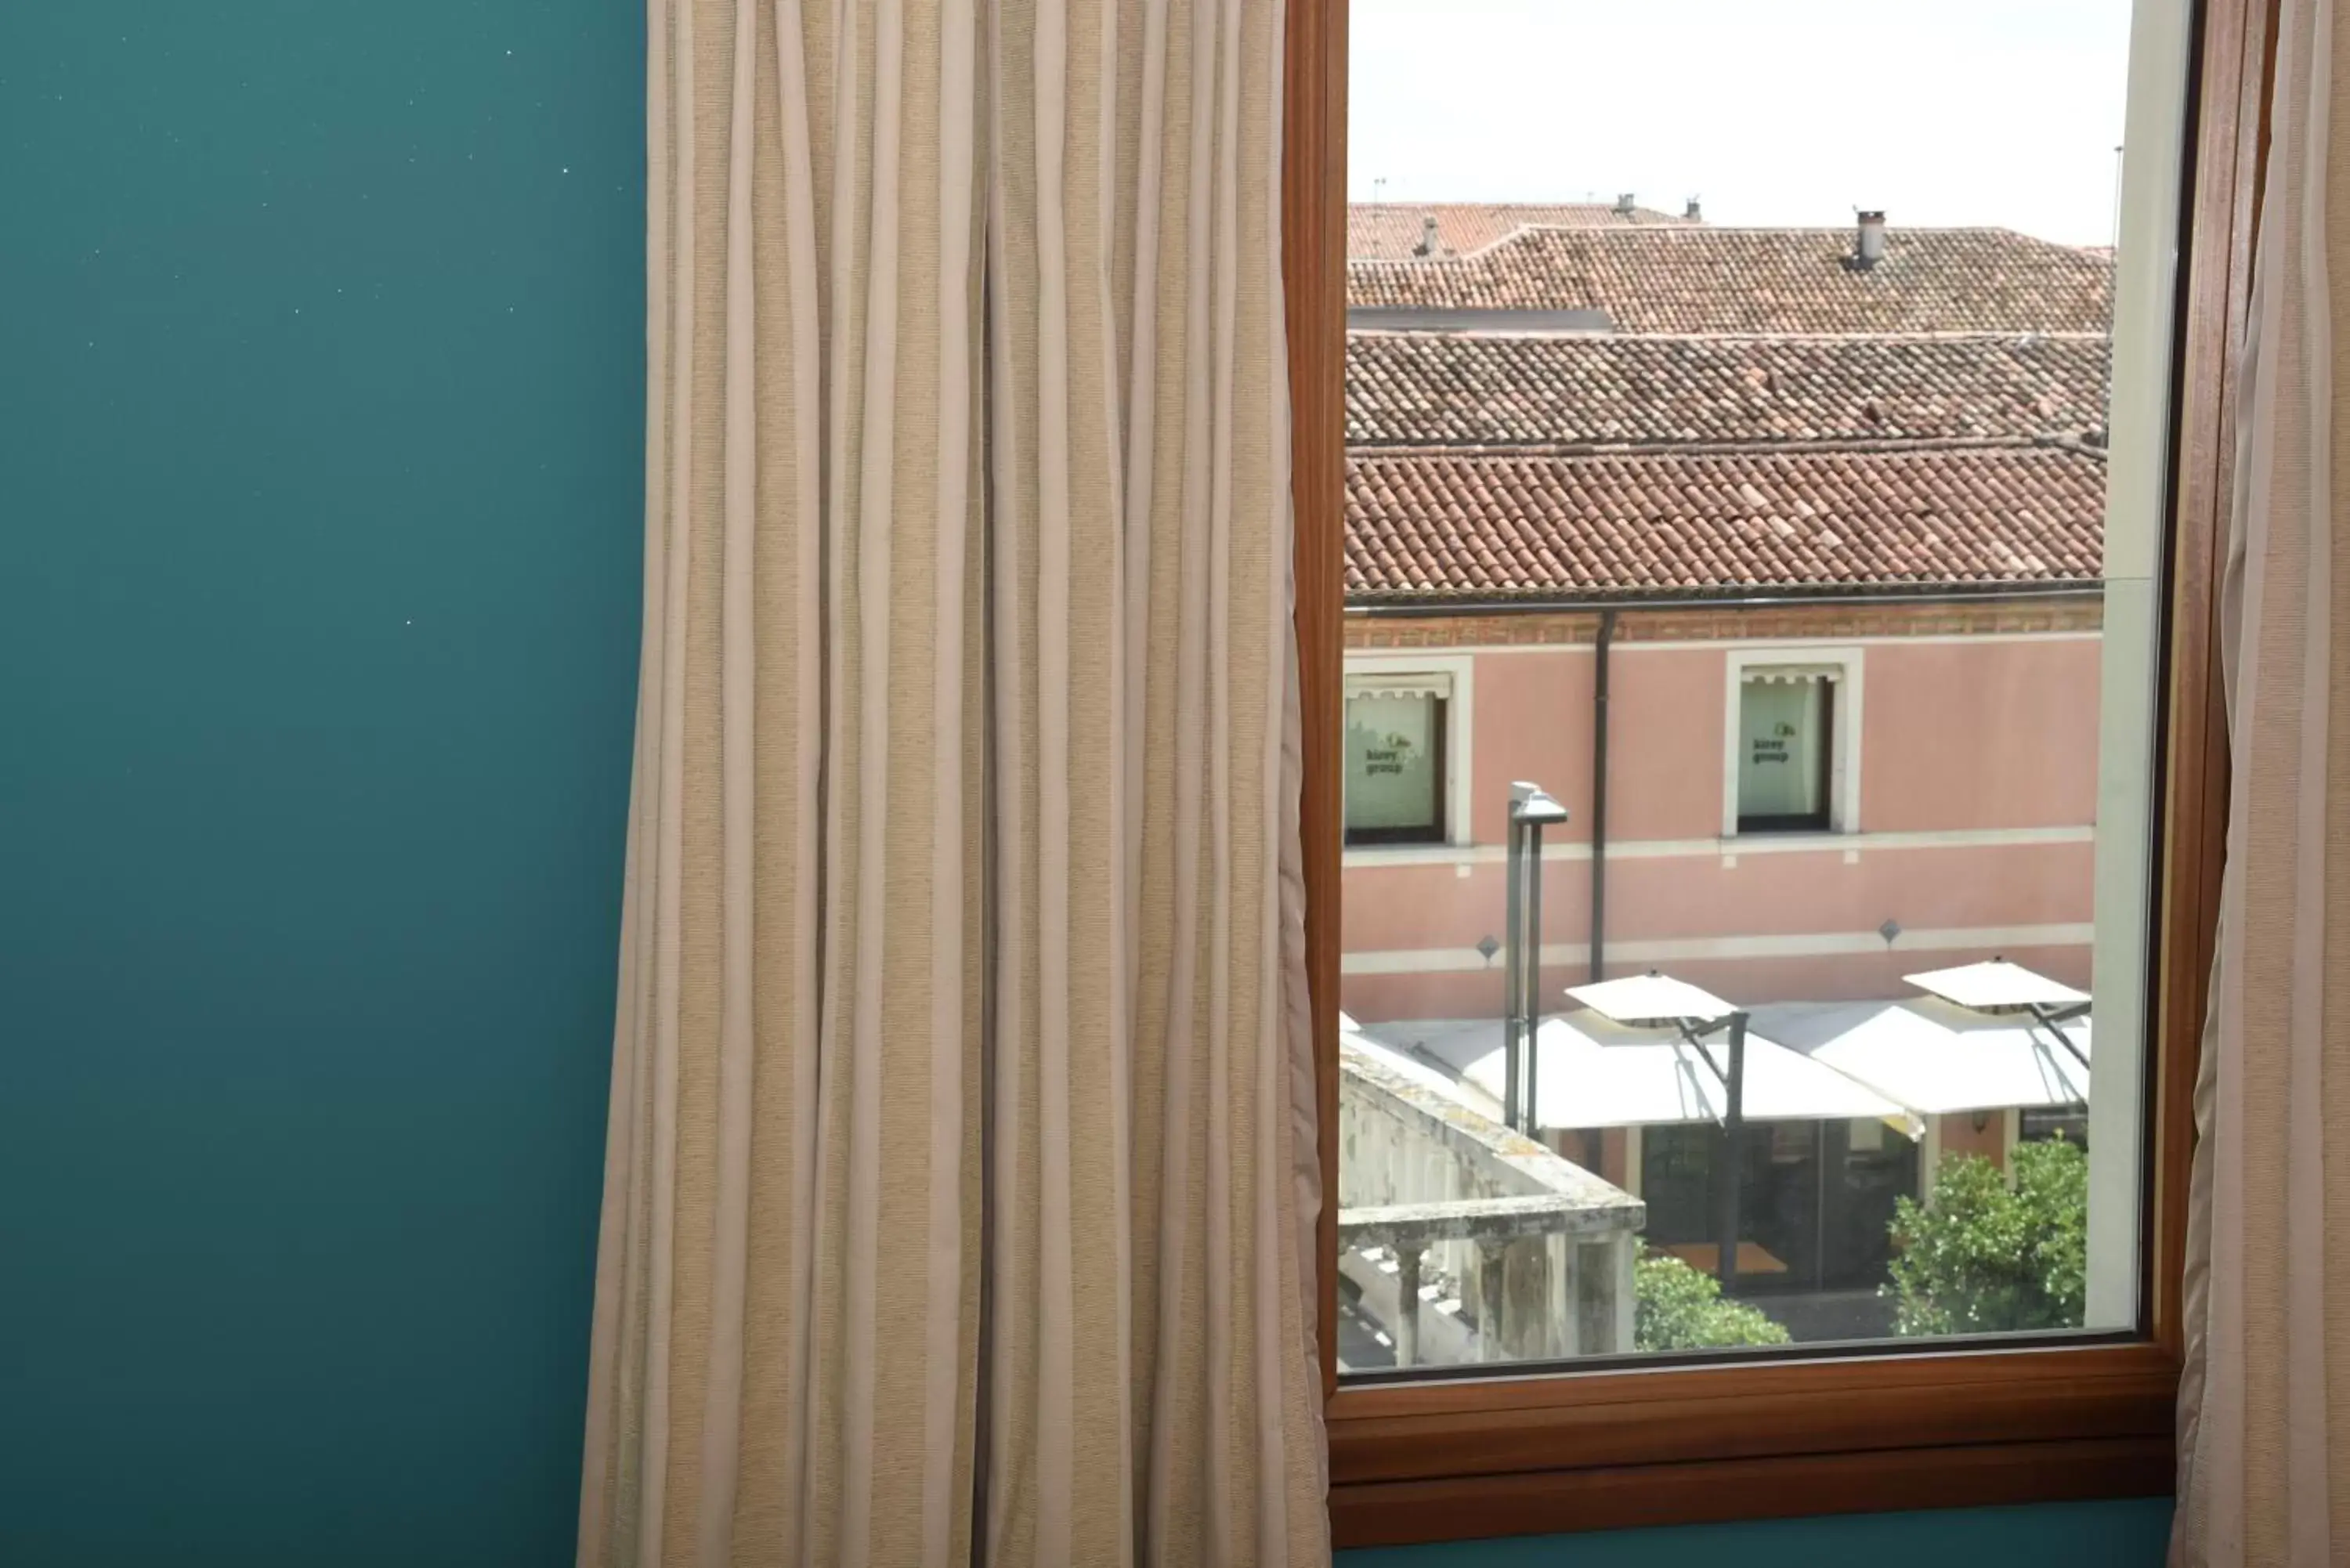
point(1734, 1150)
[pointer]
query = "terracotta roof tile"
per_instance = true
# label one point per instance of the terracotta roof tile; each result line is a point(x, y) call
point(1436, 390)
point(1393, 229)
point(1449, 525)
point(1694, 278)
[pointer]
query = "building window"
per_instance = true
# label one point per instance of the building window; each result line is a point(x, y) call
point(1397, 785)
point(1790, 754)
point(1787, 740)
point(1815, 1211)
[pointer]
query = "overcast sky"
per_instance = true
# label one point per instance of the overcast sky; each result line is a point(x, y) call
point(1774, 111)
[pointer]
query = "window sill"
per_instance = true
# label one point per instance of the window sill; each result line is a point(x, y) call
point(1400, 1513)
point(1793, 841)
point(1403, 853)
point(1619, 1449)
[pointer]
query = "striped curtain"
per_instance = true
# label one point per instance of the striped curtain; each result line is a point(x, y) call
point(961, 1156)
point(2264, 1408)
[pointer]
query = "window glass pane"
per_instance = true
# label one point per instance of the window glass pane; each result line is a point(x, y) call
point(1677, 1179)
point(1782, 754)
point(1392, 774)
point(1793, 525)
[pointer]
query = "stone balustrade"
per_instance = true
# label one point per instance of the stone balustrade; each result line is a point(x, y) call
point(1536, 1251)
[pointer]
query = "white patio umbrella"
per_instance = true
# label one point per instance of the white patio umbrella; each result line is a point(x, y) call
point(1989, 1037)
point(1598, 1072)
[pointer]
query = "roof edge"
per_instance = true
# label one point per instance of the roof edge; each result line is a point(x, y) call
point(1405, 607)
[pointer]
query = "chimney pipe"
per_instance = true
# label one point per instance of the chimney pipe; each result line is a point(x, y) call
point(1426, 246)
point(1626, 206)
point(1868, 247)
point(1691, 213)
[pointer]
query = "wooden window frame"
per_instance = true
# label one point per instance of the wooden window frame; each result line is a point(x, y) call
point(1444, 1460)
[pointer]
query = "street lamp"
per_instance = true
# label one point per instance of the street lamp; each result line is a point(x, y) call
point(1532, 809)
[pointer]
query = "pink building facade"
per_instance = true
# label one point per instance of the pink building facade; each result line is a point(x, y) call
point(1957, 759)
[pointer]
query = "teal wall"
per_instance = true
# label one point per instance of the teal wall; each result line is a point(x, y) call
point(320, 387)
point(320, 511)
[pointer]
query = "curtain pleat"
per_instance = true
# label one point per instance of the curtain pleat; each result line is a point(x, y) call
point(958, 1185)
point(2265, 1401)
point(783, 1365)
point(1151, 1380)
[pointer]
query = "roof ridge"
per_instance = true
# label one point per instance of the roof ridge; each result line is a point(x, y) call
point(1679, 228)
point(1760, 280)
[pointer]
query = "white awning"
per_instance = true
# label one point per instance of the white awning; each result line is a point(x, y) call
point(1399, 684)
point(1783, 674)
point(1650, 998)
point(1996, 984)
point(1593, 1073)
point(1933, 1057)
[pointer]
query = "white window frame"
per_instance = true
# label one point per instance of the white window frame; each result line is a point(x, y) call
point(1843, 760)
point(1462, 669)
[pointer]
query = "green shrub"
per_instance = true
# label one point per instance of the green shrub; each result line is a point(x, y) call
point(1677, 1308)
point(1987, 1257)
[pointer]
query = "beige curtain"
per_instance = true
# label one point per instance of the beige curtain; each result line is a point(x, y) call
point(961, 1142)
point(2265, 1429)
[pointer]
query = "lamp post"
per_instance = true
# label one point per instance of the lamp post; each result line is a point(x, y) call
point(1531, 810)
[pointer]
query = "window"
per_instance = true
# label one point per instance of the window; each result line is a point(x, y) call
point(1396, 755)
point(1786, 723)
point(1813, 1230)
point(1796, 457)
point(1790, 740)
point(1405, 782)
point(1786, 748)
point(1885, 467)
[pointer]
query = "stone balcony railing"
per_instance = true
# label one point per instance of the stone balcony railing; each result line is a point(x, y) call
point(1535, 1250)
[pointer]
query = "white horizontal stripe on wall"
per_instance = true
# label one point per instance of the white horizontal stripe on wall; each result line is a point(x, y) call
point(1749, 844)
point(1804, 944)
